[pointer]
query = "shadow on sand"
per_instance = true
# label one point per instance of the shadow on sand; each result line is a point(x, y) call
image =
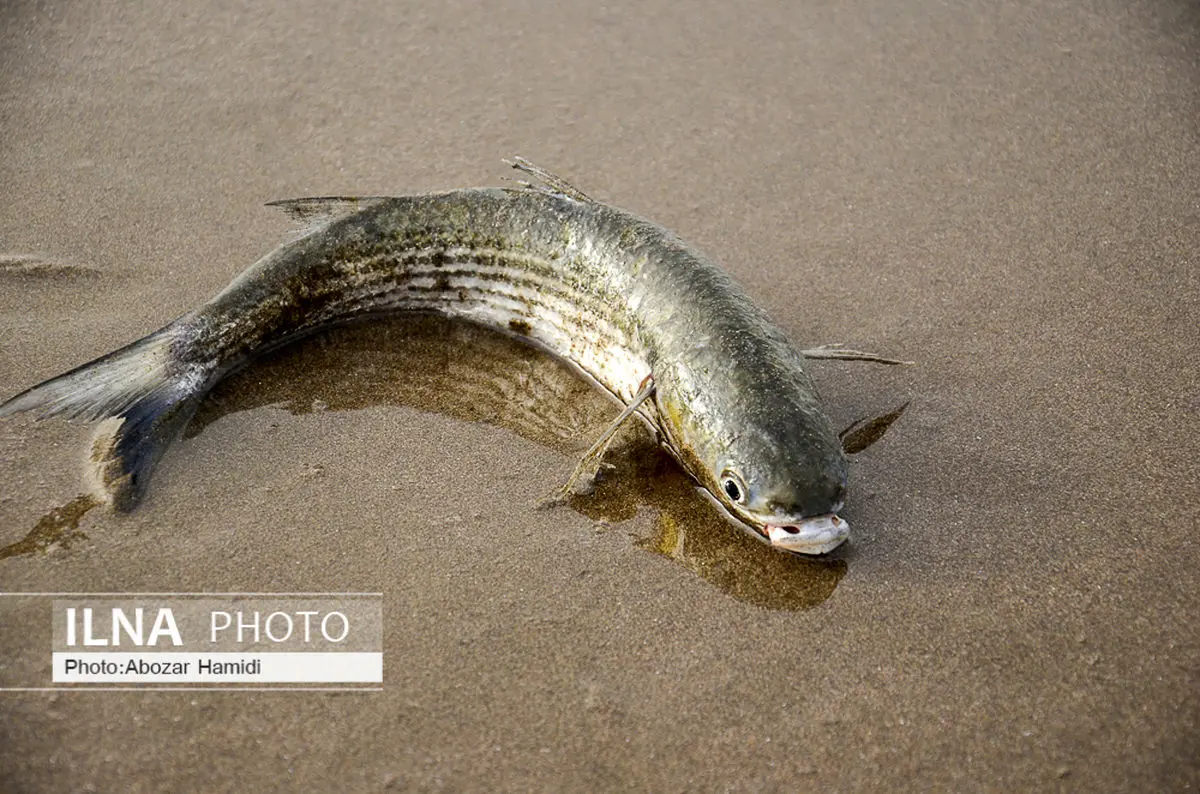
point(478, 375)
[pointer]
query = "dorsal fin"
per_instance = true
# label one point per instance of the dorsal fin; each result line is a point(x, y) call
point(551, 183)
point(313, 213)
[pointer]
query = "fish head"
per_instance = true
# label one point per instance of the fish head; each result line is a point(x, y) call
point(775, 466)
point(785, 488)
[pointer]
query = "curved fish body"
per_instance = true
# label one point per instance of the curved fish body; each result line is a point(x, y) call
point(649, 319)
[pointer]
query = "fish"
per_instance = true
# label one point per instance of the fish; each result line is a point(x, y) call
point(645, 317)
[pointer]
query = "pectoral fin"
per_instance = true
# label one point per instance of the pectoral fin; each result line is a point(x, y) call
point(840, 353)
point(589, 464)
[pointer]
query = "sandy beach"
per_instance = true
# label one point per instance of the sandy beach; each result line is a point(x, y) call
point(1007, 195)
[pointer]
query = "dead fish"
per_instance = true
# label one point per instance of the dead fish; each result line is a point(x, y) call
point(647, 318)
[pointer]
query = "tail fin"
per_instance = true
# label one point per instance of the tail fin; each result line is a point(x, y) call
point(145, 391)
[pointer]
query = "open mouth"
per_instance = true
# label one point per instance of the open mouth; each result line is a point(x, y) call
point(814, 535)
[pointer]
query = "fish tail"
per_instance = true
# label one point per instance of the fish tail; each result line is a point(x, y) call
point(145, 395)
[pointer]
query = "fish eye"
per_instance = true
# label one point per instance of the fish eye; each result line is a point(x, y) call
point(733, 486)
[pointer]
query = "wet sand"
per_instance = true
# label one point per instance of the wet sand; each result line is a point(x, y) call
point(1009, 196)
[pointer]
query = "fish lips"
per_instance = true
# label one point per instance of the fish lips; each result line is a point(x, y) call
point(813, 535)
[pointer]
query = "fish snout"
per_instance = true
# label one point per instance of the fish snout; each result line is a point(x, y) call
point(813, 535)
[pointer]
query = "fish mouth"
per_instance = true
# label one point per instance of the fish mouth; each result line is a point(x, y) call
point(813, 535)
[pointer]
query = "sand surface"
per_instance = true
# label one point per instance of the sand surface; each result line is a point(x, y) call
point(1007, 193)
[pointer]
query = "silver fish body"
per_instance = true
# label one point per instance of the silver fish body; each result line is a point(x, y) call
point(622, 298)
